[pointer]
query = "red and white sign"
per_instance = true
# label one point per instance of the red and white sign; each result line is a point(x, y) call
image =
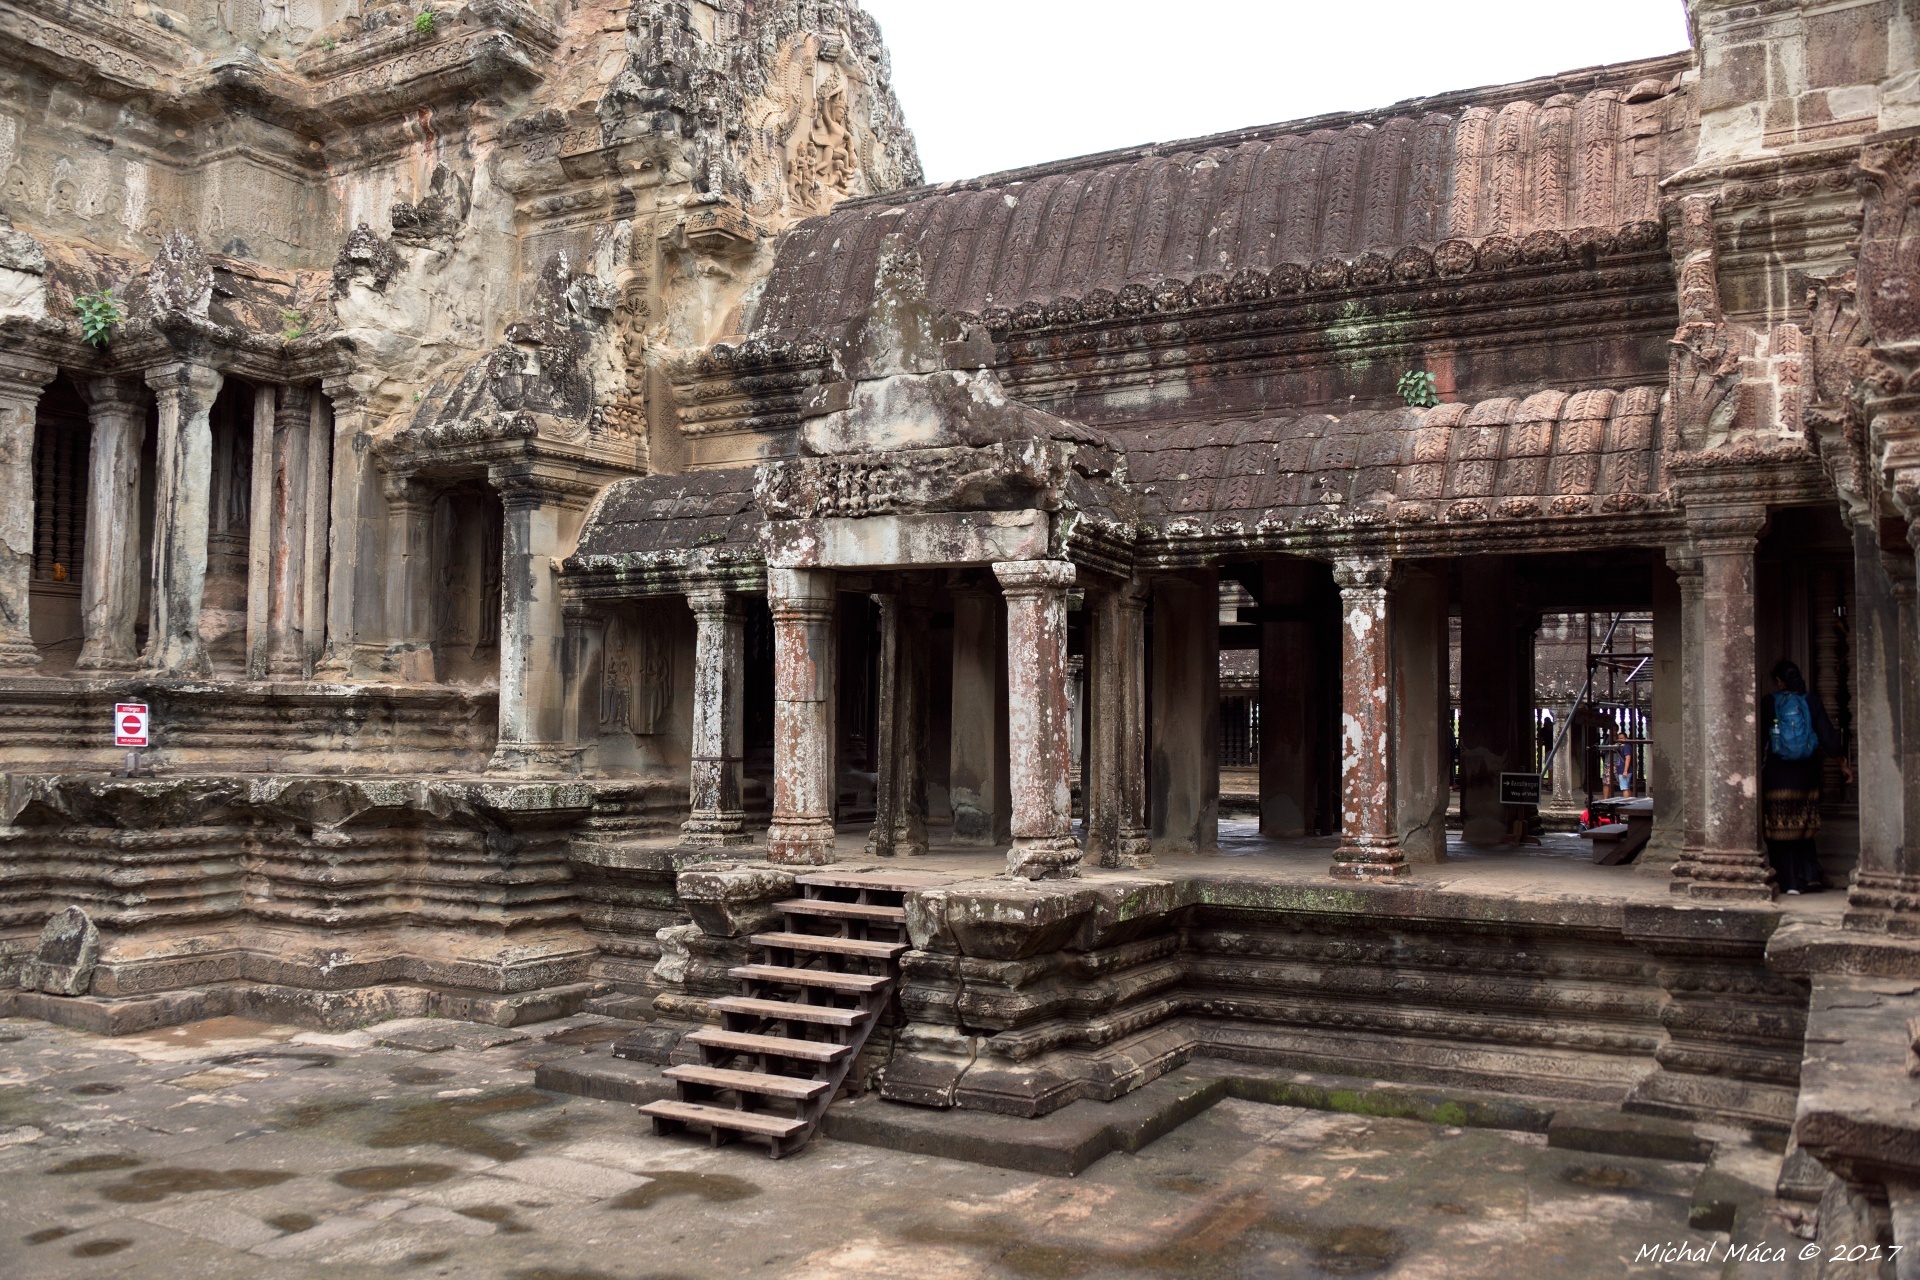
point(130, 724)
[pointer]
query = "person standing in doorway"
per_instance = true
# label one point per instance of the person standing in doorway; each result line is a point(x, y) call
point(1799, 735)
point(1620, 765)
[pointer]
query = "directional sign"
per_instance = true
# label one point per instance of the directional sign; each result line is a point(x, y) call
point(1520, 788)
point(130, 724)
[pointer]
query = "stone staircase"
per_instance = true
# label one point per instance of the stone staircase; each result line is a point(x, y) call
point(804, 1012)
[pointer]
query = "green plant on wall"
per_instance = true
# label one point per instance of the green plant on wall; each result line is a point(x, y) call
point(292, 324)
point(1416, 388)
point(423, 22)
point(99, 314)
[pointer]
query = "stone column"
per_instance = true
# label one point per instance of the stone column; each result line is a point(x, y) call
point(1039, 729)
point(1185, 762)
point(1667, 755)
point(263, 527)
point(1692, 775)
point(716, 815)
point(900, 784)
point(1369, 815)
point(408, 573)
point(313, 594)
point(977, 759)
point(1880, 674)
point(801, 601)
point(1731, 863)
point(1116, 777)
point(183, 481)
point(1292, 713)
point(21, 381)
point(110, 582)
point(1568, 789)
point(542, 511)
point(287, 552)
point(1418, 602)
point(352, 594)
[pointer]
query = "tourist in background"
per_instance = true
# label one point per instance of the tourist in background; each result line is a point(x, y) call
point(1799, 735)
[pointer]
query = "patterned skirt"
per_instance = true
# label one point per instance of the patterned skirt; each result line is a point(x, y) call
point(1791, 814)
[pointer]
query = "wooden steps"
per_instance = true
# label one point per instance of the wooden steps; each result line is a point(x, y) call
point(748, 1082)
point(788, 1010)
point(828, 945)
point(806, 1007)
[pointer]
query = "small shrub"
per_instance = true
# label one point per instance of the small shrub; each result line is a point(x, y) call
point(1416, 388)
point(293, 324)
point(99, 314)
point(423, 22)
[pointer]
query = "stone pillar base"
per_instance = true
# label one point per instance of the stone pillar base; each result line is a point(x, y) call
point(1369, 858)
point(1734, 876)
point(1044, 858)
point(411, 663)
point(715, 831)
point(800, 844)
point(1133, 852)
point(536, 759)
point(1884, 902)
point(16, 654)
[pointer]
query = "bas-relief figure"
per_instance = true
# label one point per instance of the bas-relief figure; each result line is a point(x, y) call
point(462, 374)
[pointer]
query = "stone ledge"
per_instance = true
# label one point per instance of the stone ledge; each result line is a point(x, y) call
point(317, 1010)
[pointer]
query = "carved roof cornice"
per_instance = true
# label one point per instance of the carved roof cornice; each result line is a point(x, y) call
point(1793, 175)
point(146, 343)
point(1781, 471)
point(92, 44)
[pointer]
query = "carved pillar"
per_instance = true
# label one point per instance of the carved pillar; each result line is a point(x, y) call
point(801, 601)
point(408, 577)
point(1691, 777)
point(1185, 762)
point(1116, 776)
point(262, 529)
point(183, 484)
point(287, 517)
point(1567, 786)
point(581, 673)
point(313, 589)
point(542, 510)
point(977, 769)
point(1879, 728)
point(900, 785)
point(1668, 753)
point(1039, 730)
point(1369, 816)
point(110, 583)
point(21, 381)
point(716, 815)
point(352, 593)
point(1418, 643)
point(1730, 863)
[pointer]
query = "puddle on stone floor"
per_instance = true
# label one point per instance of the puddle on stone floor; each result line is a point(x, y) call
point(450, 1122)
point(47, 1235)
point(292, 1223)
point(315, 1114)
point(1605, 1177)
point(98, 1089)
point(426, 1259)
point(499, 1214)
point(394, 1177)
point(418, 1075)
point(106, 1163)
point(589, 1036)
point(718, 1188)
point(98, 1248)
point(150, 1186)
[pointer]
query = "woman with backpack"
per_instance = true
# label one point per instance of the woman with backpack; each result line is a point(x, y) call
point(1799, 736)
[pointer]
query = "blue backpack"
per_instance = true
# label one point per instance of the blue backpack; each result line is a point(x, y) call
point(1793, 737)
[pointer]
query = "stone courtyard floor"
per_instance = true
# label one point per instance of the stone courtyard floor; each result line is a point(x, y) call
point(231, 1148)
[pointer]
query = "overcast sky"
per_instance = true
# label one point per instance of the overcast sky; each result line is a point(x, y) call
point(996, 84)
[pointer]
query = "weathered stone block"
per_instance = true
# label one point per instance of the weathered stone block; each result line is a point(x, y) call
point(63, 963)
point(731, 900)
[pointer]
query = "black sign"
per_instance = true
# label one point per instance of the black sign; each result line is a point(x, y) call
point(1520, 788)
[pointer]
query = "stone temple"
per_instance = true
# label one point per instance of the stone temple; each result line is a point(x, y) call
point(584, 514)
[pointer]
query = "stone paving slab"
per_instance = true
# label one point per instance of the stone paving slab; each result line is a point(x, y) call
point(366, 1160)
point(432, 1035)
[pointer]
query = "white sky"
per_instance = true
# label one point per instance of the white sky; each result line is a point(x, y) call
point(996, 84)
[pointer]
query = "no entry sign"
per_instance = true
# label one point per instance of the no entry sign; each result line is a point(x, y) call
point(130, 724)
